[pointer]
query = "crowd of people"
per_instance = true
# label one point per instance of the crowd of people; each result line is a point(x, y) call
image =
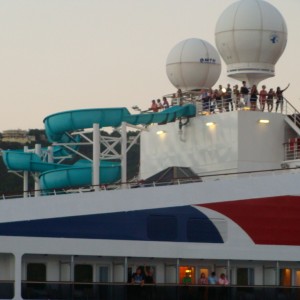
point(212, 279)
point(145, 276)
point(237, 98)
point(229, 99)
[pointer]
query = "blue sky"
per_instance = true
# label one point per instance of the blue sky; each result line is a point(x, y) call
point(60, 55)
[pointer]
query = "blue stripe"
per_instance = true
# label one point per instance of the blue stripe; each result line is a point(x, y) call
point(133, 225)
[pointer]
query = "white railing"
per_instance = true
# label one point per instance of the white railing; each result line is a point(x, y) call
point(157, 184)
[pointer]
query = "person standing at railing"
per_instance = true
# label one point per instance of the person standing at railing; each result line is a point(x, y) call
point(153, 107)
point(245, 93)
point(279, 96)
point(263, 97)
point(253, 97)
point(228, 98)
point(270, 99)
point(236, 97)
point(165, 103)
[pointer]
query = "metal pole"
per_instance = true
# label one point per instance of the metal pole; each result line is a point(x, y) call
point(96, 157)
point(123, 155)
point(25, 178)
point(18, 276)
point(228, 271)
point(50, 154)
point(125, 269)
point(277, 273)
point(177, 270)
point(37, 188)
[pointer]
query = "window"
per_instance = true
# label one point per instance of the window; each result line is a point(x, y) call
point(285, 277)
point(36, 272)
point(187, 275)
point(83, 273)
point(103, 274)
point(297, 277)
point(245, 276)
point(162, 228)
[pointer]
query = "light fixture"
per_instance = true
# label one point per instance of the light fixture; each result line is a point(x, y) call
point(264, 121)
point(160, 132)
point(209, 124)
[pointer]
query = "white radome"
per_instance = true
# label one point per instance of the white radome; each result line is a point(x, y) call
point(193, 64)
point(250, 36)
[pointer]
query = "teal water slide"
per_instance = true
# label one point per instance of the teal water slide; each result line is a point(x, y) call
point(59, 127)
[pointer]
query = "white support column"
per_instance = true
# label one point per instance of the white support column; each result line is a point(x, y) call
point(18, 277)
point(72, 264)
point(96, 157)
point(37, 188)
point(177, 270)
point(125, 269)
point(277, 279)
point(124, 155)
point(25, 178)
point(50, 155)
point(228, 271)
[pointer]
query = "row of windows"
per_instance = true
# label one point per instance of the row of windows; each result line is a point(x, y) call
point(84, 273)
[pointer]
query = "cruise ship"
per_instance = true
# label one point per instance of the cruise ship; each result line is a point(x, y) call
point(217, 191)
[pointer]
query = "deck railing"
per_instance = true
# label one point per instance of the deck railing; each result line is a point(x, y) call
point(110, 291)
point(142, 184)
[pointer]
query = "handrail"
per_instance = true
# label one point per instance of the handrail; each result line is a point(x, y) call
point(292, 113)
point(142, 184)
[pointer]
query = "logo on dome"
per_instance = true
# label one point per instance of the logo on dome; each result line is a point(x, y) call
point(207, 60)
point(274, 38)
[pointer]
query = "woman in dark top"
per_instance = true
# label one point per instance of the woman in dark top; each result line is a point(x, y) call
point(279, 96)
point(253, 97)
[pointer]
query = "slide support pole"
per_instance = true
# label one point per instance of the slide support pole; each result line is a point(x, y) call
point(123, 155)
point(37, 188)
point(96, 157)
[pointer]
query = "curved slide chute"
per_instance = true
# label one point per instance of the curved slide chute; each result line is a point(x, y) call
point(58, 124)
point(59, 127)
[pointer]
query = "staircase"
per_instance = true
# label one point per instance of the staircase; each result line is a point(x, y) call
point(292, 117)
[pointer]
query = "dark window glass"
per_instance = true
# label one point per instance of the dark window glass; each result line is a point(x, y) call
point(245, 276)
point(199, 230)
point(162, 228)
point(83, 273)
point(36, 272)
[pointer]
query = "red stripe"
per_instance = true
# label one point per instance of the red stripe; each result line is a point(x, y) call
point(268, 221)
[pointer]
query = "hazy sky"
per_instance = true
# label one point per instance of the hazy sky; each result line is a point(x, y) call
point(60, 55)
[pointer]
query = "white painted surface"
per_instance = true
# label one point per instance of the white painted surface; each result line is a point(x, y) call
point(237, 142)
point(250, 36)
point(193, 64)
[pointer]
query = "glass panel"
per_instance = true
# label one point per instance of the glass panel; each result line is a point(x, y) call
point(83, 273)
point(245, 276)
point(285, 277)
point(103, 274)
point(36, 272)
point(187, 275)
point(297, 278)
point(203, 276)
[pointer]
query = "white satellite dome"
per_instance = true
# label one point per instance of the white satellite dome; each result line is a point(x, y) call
point(251, 35)
point(193, 64)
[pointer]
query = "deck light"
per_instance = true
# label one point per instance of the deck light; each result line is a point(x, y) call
point(264, 121)
point(160, 132)
point(209, 124)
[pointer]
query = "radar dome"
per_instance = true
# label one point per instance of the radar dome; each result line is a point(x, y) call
point(251, 35)
point(193, 64)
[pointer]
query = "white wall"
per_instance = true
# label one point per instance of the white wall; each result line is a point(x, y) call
point(237, 142)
